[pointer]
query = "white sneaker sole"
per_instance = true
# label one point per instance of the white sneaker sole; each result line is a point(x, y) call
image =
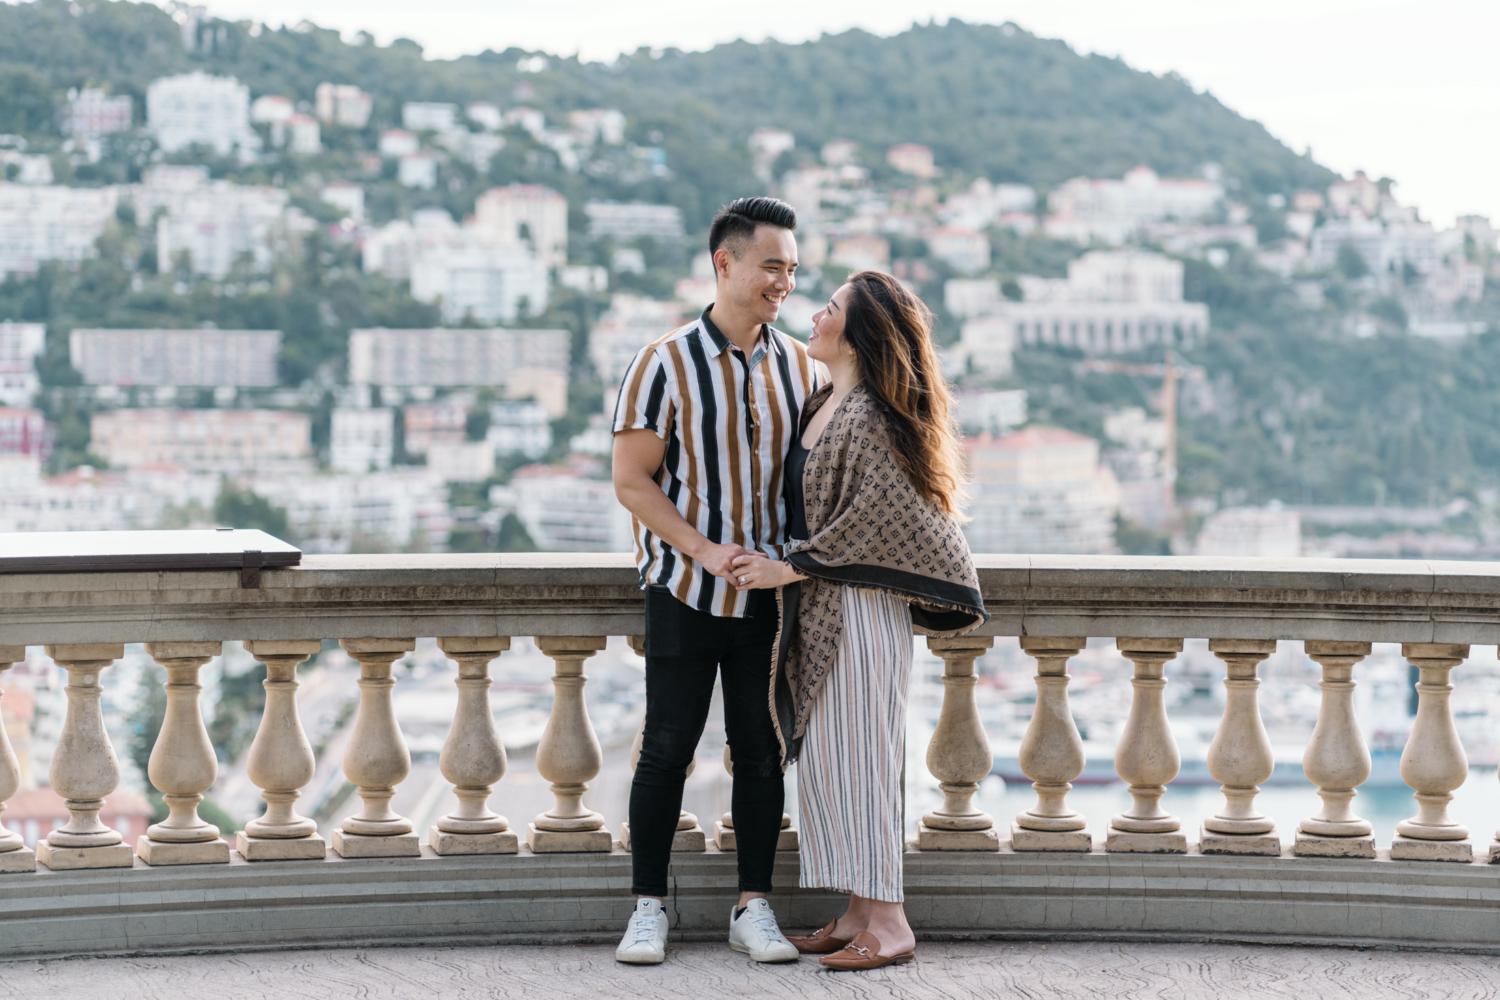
point(764, 956)
point(641, 957)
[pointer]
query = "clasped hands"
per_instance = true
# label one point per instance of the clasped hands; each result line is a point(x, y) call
point(749, 570)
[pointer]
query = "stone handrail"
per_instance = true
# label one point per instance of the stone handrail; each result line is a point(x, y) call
point(376, 606)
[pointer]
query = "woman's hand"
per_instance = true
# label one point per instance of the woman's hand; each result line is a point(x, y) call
point(757, 571)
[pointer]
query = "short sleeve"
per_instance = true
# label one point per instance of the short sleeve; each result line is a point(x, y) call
point(645, 400)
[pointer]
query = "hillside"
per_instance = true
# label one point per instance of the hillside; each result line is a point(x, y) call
point(990, 100)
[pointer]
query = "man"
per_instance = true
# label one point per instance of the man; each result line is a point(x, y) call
point(701, 430)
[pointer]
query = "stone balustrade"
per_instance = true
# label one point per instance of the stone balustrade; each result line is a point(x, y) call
point(376, 606)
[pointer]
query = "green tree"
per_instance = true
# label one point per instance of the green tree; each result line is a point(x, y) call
point(237, 507)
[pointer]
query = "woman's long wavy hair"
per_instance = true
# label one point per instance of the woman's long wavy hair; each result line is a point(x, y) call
point(890, 330)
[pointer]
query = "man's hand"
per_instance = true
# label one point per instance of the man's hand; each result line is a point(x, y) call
point(719, 559)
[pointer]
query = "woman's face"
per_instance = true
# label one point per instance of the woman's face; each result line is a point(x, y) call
point(827, 342)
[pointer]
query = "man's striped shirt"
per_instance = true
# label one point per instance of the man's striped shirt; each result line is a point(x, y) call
point(728, 421)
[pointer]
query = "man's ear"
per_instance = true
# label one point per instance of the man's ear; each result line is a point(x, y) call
point(721, 263)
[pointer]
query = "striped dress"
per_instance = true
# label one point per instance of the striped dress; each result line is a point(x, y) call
point(849, 773)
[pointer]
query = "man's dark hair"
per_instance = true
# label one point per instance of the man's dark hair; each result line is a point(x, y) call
point(735, 224)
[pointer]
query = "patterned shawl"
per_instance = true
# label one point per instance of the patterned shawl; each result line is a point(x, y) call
point(870, 528)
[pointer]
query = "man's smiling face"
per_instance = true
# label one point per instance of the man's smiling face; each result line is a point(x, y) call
point(761, 275)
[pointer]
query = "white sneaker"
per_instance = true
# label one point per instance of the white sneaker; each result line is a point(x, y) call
point(755, 933)
point(645, 940)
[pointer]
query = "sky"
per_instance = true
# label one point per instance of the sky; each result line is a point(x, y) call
point(1396, 88)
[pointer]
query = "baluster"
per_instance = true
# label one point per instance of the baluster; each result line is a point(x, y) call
point(724, 826)
point(84, 767)
point(1336, 759)
point(15, 856)
point(689, 835)
point(281, 760)
point(1051, 754)
point(1434, 762)
point(569, 754)
point(473, 756)
point(182, 764)
point(1240, 756)
point(959, 755)
point(1147, 755)
point(376, 759)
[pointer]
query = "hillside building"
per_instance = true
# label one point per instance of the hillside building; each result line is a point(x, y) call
point(427, 424)
point(215, 223)
point(528, 363)
point(1041, 489)
point(966, 249)
point(601, 125)
point(45, 223)
point(240, 358)
point(519, 428)
point(912, 158)
point(1111, 301)
point(227, 441)
point(21, 345)
point(526, 214)
point(199, 109)
point(1271, 532)
point(1086, 209)
point(627, 222)
point(630, 323)
point(92, 114)
point(24, 431)
point(563, 512)
point(343, 104)
point(361, 440)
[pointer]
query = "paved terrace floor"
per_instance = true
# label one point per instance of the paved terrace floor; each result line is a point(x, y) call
point(1032, 971)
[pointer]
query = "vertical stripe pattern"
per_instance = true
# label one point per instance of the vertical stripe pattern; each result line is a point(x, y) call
point(727, 421)
point(849, 773)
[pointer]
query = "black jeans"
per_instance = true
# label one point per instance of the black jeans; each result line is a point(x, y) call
point(685, 648)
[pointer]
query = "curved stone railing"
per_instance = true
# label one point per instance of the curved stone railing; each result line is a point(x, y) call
point(376, 606)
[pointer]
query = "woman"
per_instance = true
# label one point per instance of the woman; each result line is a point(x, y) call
point(873, 486)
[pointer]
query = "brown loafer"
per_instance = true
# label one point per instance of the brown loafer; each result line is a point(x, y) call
point(864, 953)
point(819, 943)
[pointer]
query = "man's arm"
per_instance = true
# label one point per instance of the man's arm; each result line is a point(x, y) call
point(637, 456)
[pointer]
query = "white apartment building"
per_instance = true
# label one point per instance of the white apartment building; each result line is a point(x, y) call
point(519, 428)
point(85, 499)
point(227, 441)
point(563, 512)
point(242, 358)
point(1041, 489)
point(93, 114)
point(195, 107)
point(526, 214)
point(983, 203)
point(968, 297)
point(994, 412)
point(370, 511)
point(529, 363)
point(46, 223)
point(489, 284)
point(417, 170)
point(271, 109)
point(361, 440)
point(1111, 301)
point(397, 142)
point(766, 144)
point(630, 323)
point(21, 344)
point(605, 125)
point(966, 249)
point(428, 116)
point(461, 461)
point(484, 114)
point(343, 104)
point(1271, 531)
point(1085, 208)
point(626, 222)
point(215, 223)
point(304, 137)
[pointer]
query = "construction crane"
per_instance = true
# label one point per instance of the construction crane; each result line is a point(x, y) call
point(1168, 372)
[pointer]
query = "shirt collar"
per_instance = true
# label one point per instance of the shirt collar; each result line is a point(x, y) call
point(720, 342)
